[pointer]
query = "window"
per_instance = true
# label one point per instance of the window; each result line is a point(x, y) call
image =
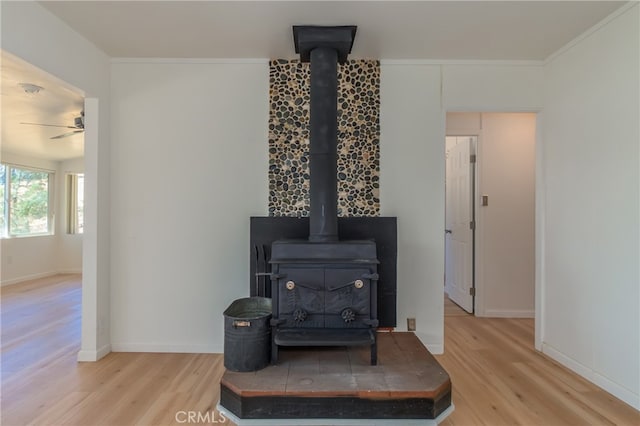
point(75, 203)
point(26, 201)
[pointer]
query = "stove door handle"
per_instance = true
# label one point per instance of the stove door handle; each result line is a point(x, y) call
point(339, 286)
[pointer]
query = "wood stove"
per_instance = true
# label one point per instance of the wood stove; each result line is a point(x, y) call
point(324, 290)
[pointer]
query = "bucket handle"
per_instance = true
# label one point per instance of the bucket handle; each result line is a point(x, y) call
point(238, 323)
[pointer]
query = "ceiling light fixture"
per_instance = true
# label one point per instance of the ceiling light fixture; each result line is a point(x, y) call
point(30, 89)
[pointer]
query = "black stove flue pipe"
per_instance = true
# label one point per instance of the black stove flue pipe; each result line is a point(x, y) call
point(324, 47)
point(323, 155)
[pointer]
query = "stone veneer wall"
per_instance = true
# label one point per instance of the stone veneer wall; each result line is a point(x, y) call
point(358, 138)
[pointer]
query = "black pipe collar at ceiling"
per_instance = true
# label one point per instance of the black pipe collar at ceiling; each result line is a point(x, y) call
point(308, 37)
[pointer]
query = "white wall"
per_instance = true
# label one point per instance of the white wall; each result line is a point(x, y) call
point(486, 87)
point(190, 157)
point(506, 249)
point(590, 279)
point(35, 35)
point(505, 231)
point(412, 188)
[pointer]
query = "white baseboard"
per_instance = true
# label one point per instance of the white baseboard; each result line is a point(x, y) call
point(616, 390)
point(166, 348)
point(434, 348)
point(39, 275)
point(91, 356)
point(70, 271)
point(28, 278)
point(620, 392)
point(509, 313)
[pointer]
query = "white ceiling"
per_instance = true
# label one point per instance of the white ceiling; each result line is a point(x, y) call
point(441, 30)
point(56, 104)
point(500, 30)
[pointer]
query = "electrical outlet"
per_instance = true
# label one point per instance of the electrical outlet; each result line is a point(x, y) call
point(411, 324)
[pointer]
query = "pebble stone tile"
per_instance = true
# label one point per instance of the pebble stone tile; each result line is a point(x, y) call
point(358, 138)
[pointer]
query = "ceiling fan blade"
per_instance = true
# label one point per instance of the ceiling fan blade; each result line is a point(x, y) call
point(51, 125)
point(64, 135)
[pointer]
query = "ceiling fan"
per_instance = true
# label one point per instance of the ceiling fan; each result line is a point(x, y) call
point(78, 126)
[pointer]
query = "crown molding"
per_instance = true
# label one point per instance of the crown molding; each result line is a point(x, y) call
point(612, 17)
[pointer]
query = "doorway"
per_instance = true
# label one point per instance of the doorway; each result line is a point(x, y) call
point(490, 211)
point(42, 261)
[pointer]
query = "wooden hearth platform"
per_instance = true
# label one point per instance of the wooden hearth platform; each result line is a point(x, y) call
point(340, 383)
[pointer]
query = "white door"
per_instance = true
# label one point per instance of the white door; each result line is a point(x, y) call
point(459, 219)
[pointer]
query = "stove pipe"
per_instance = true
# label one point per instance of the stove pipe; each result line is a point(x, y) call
point(323, 163)
point(324, 47)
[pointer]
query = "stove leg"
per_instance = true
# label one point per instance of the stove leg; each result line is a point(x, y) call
point(274, 353)
point(374, 353)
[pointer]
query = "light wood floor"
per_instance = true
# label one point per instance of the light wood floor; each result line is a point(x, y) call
point(498, 378)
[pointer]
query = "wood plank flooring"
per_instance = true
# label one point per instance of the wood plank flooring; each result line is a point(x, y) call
point(498, 379)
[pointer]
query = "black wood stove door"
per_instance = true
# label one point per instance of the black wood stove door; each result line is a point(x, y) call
point(301, 297)
point(348, 298)
point(319, 297)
